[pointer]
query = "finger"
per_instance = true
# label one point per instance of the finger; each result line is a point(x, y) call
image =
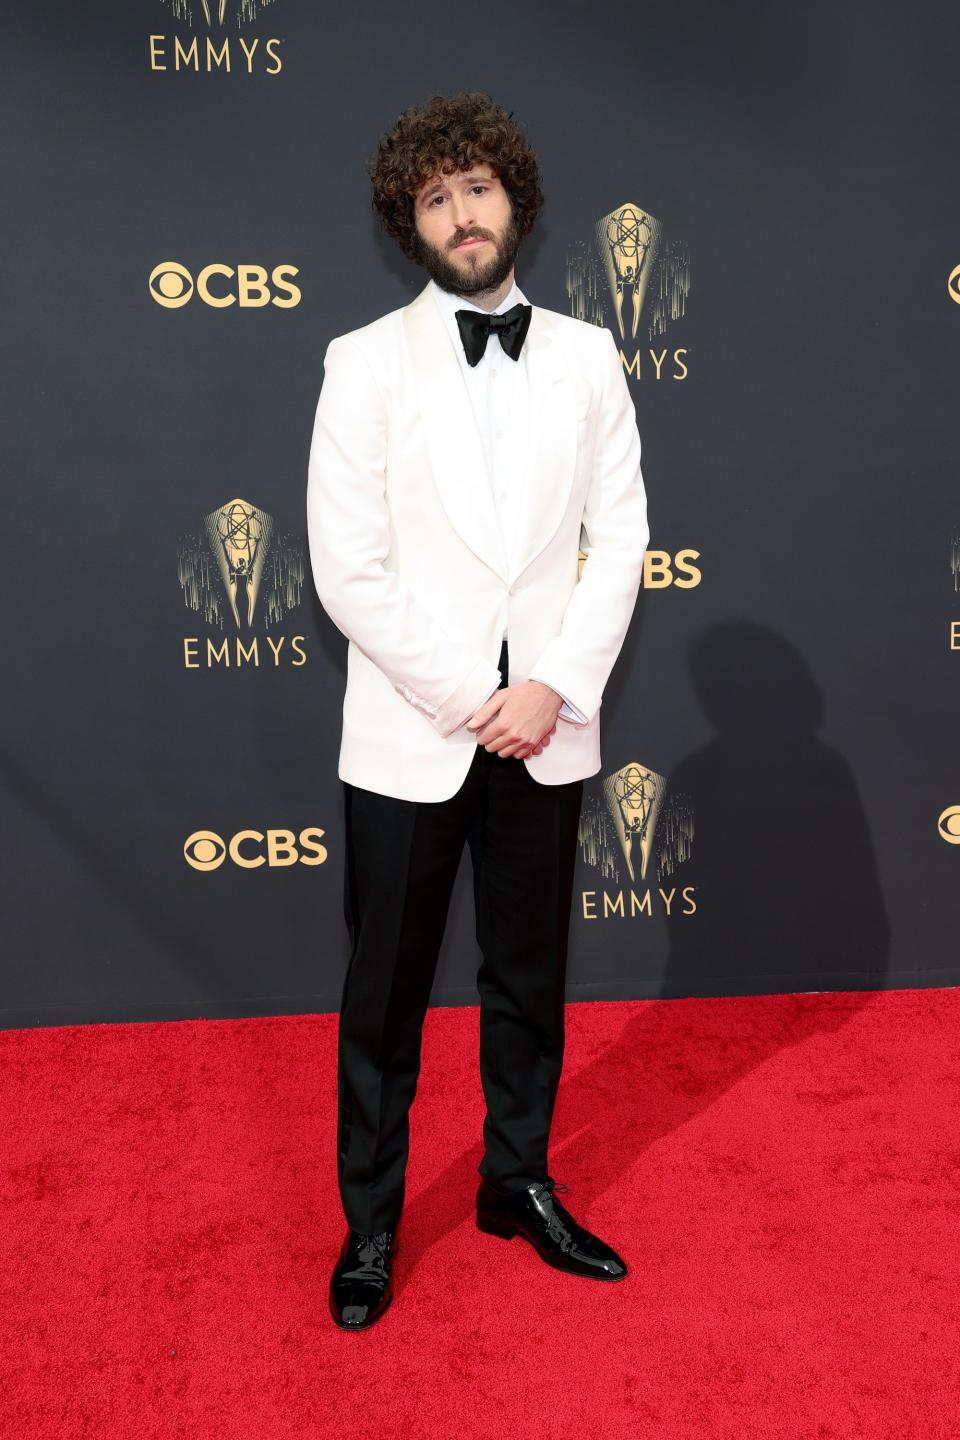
point(521, 750)
point(508, 751)
point(487, 711)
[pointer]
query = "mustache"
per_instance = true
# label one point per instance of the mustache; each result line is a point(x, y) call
point(470, 235)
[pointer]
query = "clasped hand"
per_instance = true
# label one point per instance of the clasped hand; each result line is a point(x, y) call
point(517, 720)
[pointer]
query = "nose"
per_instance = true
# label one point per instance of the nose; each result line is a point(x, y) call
point(461, 212)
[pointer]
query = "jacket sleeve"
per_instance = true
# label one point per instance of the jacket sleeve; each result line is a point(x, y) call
point(577, 662)
point(348, 531)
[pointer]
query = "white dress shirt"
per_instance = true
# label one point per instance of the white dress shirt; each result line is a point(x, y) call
point(500, 397)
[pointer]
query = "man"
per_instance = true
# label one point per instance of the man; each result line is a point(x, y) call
point(465, 446)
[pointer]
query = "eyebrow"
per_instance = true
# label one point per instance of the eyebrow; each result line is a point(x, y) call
point(464, 180)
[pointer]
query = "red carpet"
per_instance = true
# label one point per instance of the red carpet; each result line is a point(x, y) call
point(781, 1173)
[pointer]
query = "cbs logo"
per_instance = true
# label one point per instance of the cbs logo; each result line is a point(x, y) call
point(953, 284)
point(206, 850)
point(248, 286)
point(661, 569)
point(948, 825)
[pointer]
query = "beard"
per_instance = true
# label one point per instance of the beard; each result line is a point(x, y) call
point(476, 275)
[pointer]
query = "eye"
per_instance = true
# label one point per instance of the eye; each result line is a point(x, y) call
point(171, 284)
point(204, 850)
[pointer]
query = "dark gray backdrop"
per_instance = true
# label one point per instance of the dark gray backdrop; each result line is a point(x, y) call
point(799, 703)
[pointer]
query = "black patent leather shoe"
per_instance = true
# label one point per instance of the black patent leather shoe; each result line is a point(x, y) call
point(537, 1215)
point(361, 1287)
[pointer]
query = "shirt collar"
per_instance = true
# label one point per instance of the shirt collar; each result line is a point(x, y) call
point(449, 304)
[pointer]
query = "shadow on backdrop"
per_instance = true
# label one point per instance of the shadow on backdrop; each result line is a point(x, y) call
point(788, 894)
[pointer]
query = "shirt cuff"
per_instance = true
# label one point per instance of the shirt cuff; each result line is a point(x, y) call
point(567, 712)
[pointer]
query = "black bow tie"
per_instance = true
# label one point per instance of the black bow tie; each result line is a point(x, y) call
point(475, 326)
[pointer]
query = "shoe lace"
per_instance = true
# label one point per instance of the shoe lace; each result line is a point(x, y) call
point(372, 1249)
point(559, 1220)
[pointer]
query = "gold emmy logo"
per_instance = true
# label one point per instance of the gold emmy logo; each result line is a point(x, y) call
point(218, 12)
point(634, 797)
point(215, 49)
point(239, 535)
point(948, 825)
point(237, 566)
point(630, 268)
point(629, 242)
point(633, 830)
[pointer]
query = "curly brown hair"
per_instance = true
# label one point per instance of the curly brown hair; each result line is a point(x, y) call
point(452, 132)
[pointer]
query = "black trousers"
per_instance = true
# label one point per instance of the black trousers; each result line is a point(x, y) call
point(402, 858)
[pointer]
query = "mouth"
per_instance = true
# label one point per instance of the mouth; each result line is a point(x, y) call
point(469, 244)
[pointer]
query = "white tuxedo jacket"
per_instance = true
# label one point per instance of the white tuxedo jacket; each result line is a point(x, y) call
point(408, 557)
